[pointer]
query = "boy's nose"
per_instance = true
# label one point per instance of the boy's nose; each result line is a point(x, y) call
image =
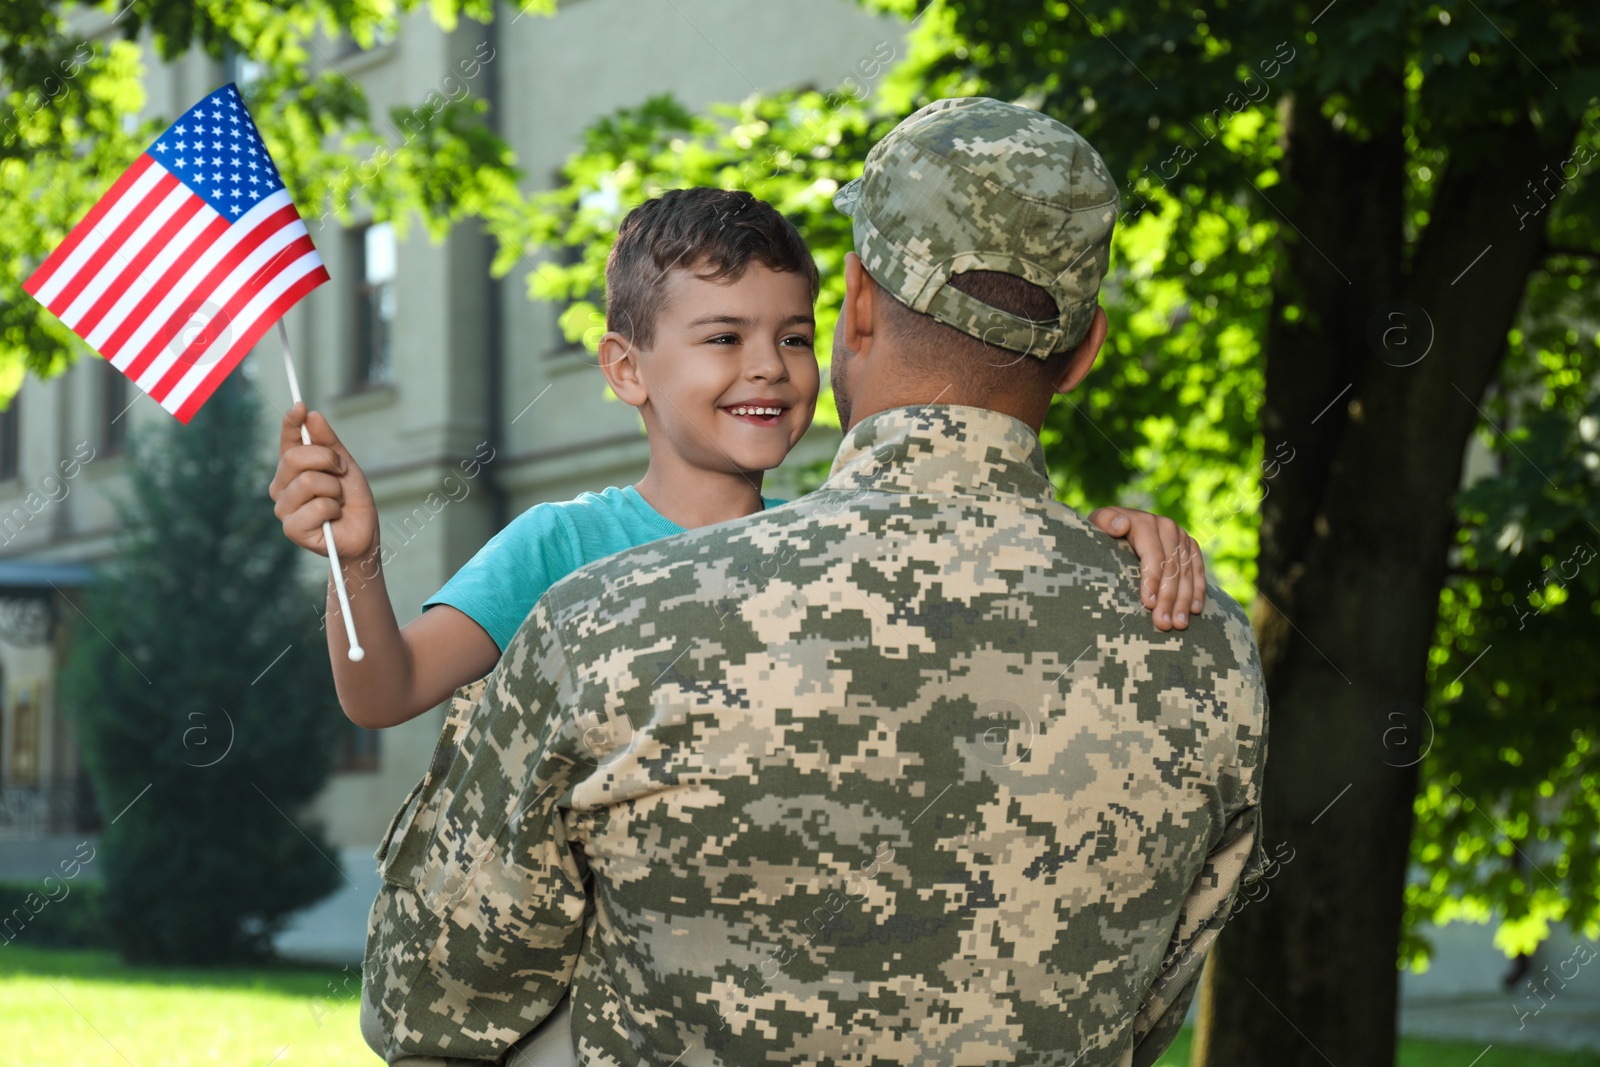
point(764, 361)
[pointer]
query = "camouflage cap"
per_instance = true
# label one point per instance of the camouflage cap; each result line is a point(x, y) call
point(976, 184)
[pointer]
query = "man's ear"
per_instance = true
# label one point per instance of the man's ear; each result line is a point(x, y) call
point(619, 362)
point(1083, 356)
point(858, 315)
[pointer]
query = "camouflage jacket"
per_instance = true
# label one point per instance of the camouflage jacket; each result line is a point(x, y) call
point(898, 772)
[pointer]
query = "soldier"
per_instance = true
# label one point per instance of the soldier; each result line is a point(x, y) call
point(880, 776)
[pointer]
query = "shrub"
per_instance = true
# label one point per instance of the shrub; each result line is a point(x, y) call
point(178, 686)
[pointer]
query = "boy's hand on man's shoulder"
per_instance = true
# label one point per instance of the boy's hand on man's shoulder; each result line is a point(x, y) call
point(318, 483)
point(1172, 581)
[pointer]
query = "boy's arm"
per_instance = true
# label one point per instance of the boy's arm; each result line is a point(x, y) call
point(404, 673)
point(406, 670)
point(1172, 581)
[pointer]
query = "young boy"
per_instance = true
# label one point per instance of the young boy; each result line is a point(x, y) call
point(710, 335)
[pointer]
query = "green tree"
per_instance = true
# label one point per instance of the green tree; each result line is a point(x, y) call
point(72, 87)
point(1351, 238)
point(205, 704)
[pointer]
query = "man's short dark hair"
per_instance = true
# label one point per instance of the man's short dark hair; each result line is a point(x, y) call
point(716, 233)
point(932, 348)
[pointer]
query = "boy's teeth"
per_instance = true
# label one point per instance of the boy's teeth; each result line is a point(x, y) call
point(754, 411)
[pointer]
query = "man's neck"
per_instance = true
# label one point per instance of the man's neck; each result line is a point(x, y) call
point(1031, 411)
point(691, 496)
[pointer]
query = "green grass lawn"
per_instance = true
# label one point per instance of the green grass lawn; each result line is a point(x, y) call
point(60, 1008)
point(1415, 1053)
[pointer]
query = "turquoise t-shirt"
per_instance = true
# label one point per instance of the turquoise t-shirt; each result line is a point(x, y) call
point(501, 584)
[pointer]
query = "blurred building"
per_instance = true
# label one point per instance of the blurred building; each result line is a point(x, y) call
point(418, 358)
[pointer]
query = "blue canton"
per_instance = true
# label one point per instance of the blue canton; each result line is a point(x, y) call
point(216, 150)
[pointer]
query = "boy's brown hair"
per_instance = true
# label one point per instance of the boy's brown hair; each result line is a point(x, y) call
point(716, 233)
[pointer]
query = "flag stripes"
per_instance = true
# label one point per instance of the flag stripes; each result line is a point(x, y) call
point(160, 281)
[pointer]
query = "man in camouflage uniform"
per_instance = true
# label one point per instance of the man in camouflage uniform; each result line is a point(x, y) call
point(882, 776)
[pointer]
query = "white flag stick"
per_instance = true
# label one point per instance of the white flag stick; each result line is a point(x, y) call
point(356, 651)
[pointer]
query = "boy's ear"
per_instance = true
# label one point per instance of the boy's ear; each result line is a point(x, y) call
point(619, 363)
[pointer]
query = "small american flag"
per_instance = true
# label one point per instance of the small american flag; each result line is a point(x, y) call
point(187, 260)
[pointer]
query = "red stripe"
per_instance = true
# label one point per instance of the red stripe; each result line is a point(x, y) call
point(174, 272)
point(84, 228)
point(230, 311)
point(139, 264)
point(241, 347)
point(201, 293)
point(112, 246)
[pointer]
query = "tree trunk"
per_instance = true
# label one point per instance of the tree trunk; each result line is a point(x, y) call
point(1354, 536)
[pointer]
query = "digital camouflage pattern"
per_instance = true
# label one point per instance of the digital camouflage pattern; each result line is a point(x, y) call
point(898, 772)
point(976, 184)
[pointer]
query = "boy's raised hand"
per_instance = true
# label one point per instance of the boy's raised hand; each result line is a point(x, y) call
point(1172, 580)
point(319, 483)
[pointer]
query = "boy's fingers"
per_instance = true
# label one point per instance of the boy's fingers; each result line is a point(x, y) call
point(1147, 545)
point(322, 435)
point(307, 486)
point(1171, 572)
point(289, 432)
point(1111, 520)
point(1180, 606)
point(1141, 534)
point(1198, 599)
point(305, 527)
point(302, 458)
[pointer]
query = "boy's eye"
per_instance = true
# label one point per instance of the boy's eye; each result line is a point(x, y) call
point(798, 341)
point(723, 339)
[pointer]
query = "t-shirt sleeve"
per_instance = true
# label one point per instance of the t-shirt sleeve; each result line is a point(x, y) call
point(501, 584)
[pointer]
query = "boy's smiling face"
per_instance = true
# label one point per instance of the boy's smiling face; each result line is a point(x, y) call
point(725, 355)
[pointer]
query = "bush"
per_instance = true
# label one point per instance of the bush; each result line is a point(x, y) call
point(205, 701)
point(40, 915)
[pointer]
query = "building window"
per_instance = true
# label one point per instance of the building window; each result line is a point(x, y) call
point(10, 439)
point(375, 254)
point(358, 749)
point(24, 768)
point(114, 405)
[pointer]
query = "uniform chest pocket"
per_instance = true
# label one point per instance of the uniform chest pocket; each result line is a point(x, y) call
point(404, 853)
